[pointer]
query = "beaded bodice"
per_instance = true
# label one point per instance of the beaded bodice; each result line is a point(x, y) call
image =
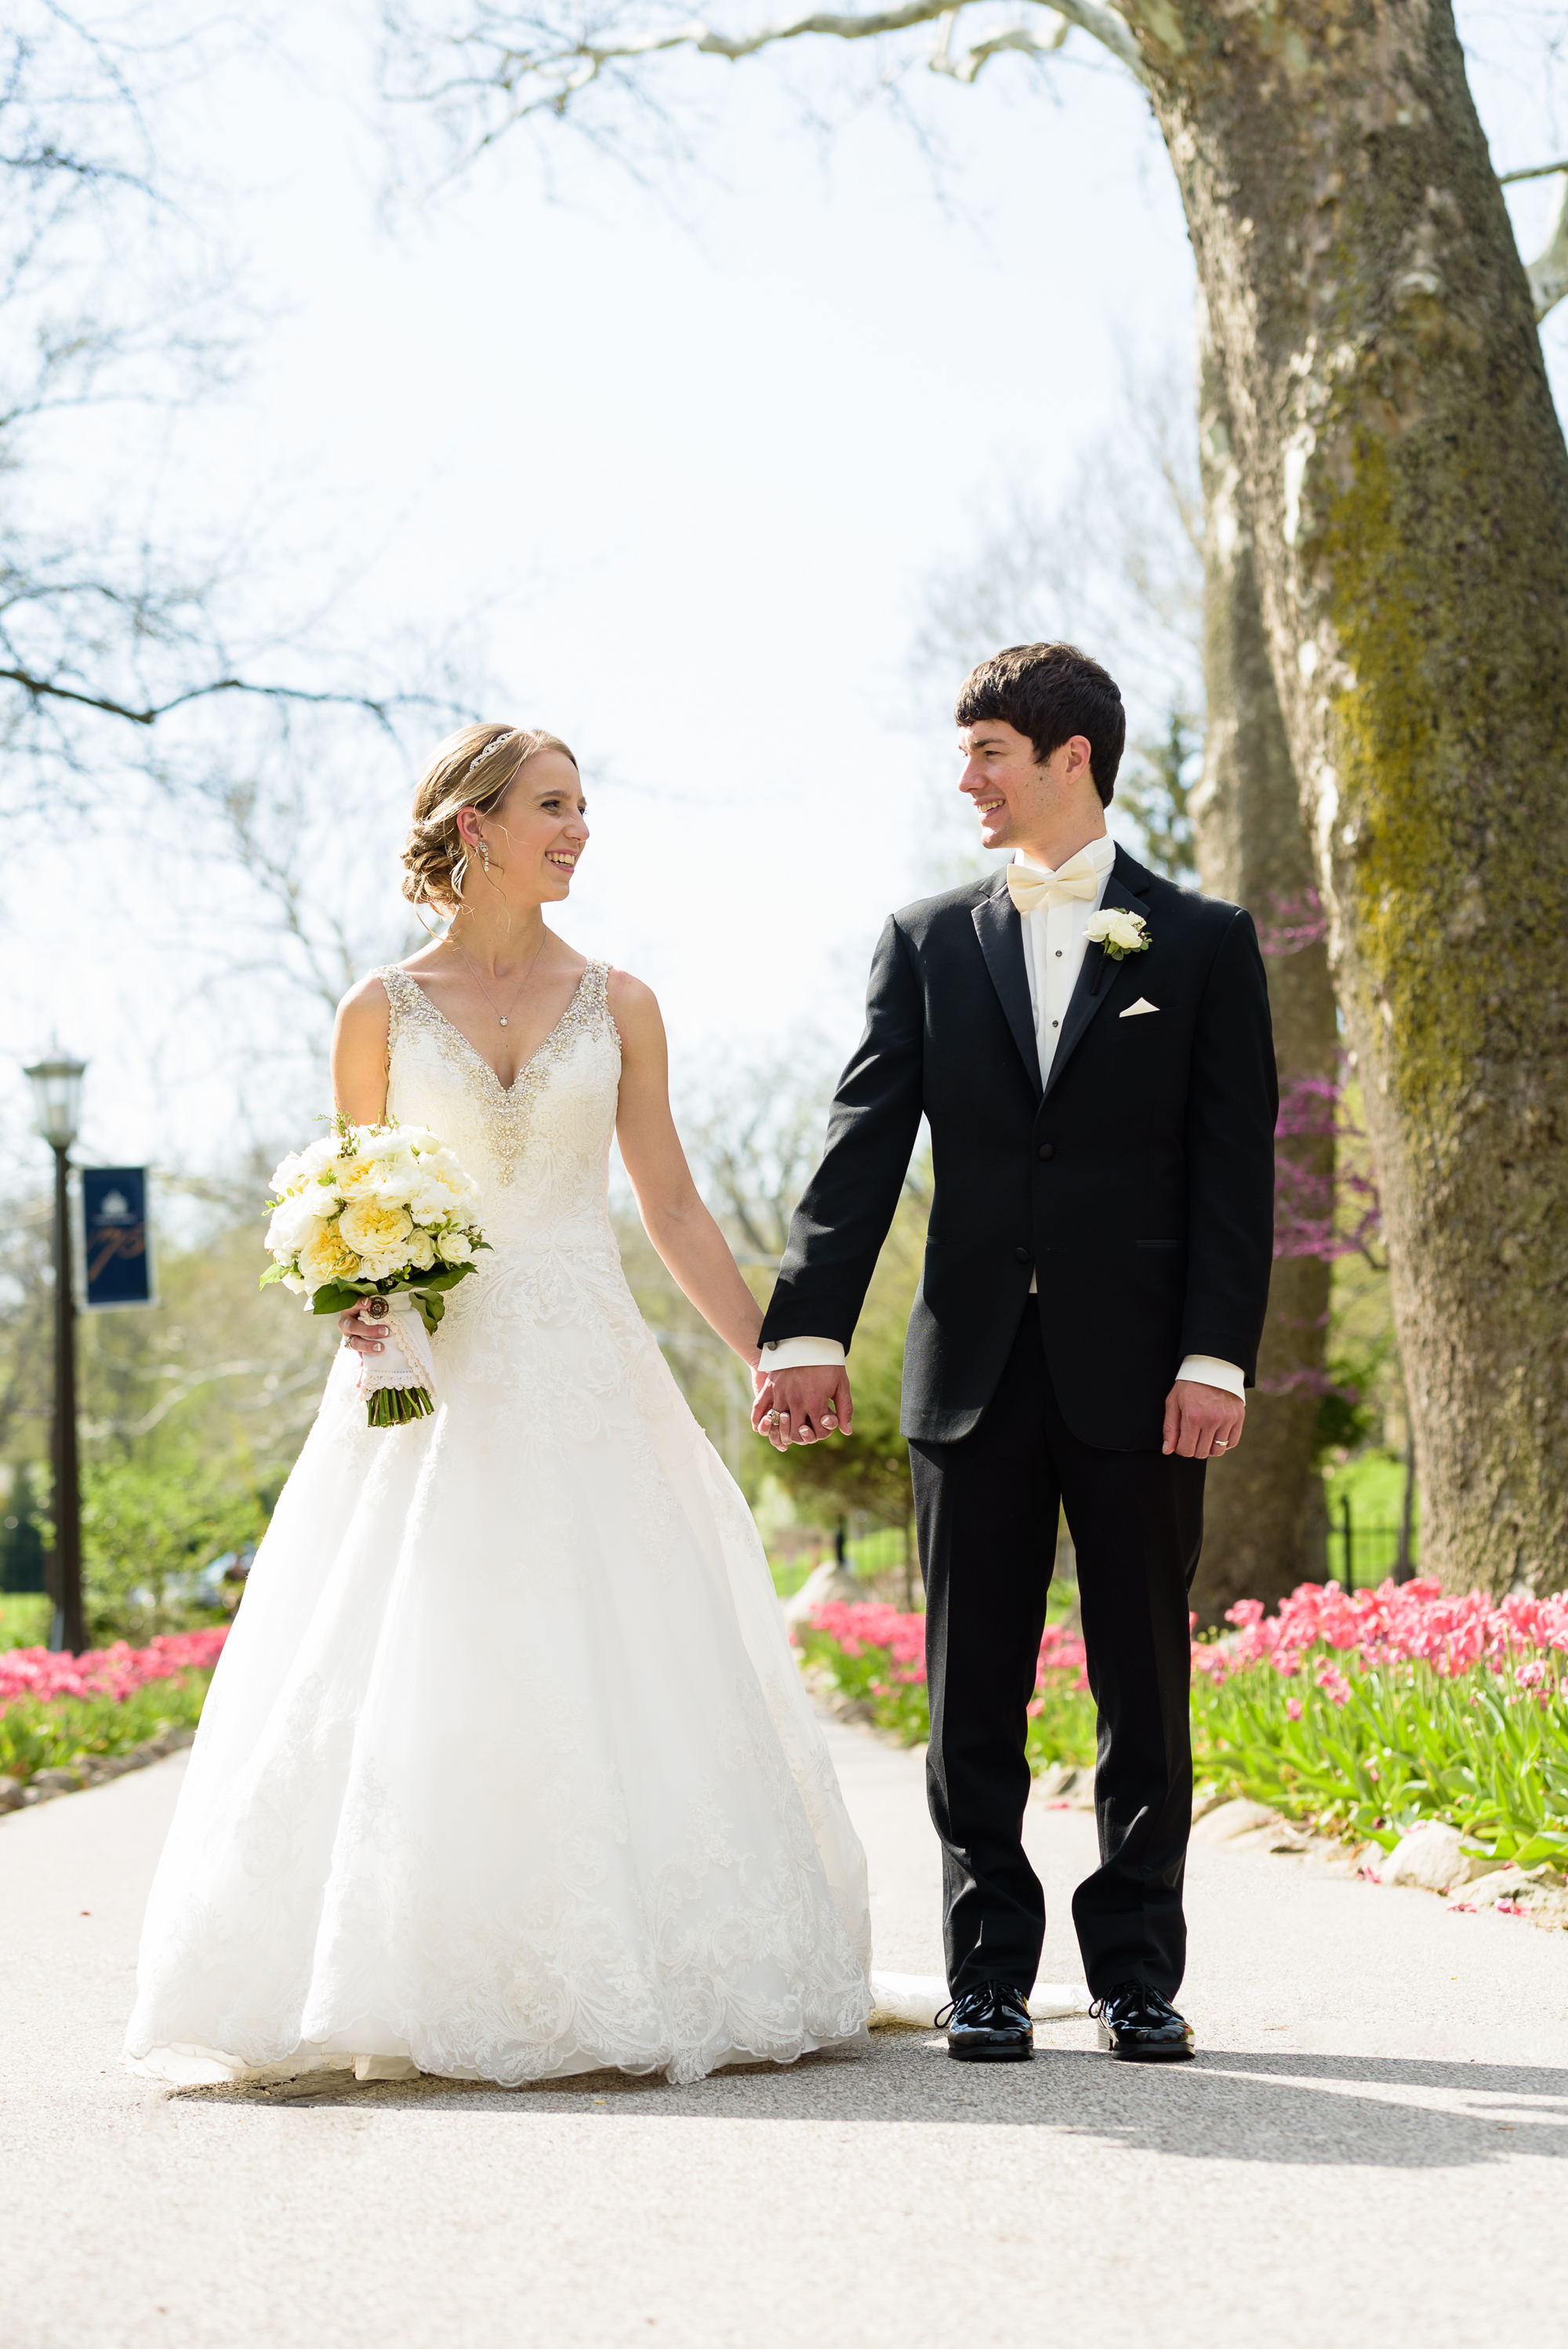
point(540, 1148)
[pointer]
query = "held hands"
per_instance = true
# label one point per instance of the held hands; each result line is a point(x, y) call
point(801, 1406)
point(1202, 1422)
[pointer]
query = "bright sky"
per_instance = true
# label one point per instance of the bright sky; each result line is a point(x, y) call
point(690, 466)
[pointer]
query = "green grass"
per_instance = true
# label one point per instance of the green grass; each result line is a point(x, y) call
point(25, 1619)
point(1373, 1484)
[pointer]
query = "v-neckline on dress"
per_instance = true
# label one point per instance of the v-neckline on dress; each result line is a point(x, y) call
point(506, 1092)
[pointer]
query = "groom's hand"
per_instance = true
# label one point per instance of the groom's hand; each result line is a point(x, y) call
point(799, 1406)
point(1200, 1421)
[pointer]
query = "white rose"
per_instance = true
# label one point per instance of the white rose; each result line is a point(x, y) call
point(432, 1202)
point(397, 1178)
point(294, 1222)
point(301, 1287)
point(1118, 930)
point(421, 1251)
point(454, 1248)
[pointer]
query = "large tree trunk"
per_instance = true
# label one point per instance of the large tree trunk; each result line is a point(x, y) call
point(1261, 1535)
point(1408, 486)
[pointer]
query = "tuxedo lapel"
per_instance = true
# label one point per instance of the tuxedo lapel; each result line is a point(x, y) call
point(1001, 934)
point(1128, 887)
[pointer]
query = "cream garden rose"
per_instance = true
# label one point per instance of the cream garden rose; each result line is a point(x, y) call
point(327, 1258)
point(1119, 932)
point(376, 1227)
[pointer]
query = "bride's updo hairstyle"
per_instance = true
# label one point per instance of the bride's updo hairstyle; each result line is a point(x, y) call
point(476, 767)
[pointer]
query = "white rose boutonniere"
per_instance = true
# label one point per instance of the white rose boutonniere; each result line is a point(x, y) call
point(1121, 934)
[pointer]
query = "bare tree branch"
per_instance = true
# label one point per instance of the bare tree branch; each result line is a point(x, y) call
point(1548, 272)
point(966, 67)
point(567, 64)
point(42, 688)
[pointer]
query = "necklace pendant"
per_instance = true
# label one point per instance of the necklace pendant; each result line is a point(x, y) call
point(501, 1017)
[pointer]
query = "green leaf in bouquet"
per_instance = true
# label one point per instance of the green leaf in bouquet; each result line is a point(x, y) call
point(447, 1277)
point(337, 1297)
point(273, 1272)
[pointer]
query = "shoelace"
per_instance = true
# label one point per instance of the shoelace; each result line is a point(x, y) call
point(945, 2015)
point(1098, 2005)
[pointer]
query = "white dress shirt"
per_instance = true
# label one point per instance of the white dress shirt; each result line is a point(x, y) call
point(1054, 944)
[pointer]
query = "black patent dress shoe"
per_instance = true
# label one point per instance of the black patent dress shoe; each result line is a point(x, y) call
point(1141, 2027)
point(990, 2025)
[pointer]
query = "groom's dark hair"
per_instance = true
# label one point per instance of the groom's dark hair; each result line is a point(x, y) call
point(1050, 692)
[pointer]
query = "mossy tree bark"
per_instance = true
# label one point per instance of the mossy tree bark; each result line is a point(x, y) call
point(1407, 483)
point(1262, 1536)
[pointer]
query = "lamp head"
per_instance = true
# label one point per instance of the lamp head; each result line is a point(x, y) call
point(57, 1099)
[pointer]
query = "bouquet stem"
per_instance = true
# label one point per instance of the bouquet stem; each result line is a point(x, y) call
point(396, 1406)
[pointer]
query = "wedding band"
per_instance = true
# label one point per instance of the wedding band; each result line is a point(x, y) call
point(1218, 1447)
point(772, 1419)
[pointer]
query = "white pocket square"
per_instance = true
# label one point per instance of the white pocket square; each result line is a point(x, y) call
point(1142, 1004)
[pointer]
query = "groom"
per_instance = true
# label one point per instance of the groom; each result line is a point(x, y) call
point(1092, 1047)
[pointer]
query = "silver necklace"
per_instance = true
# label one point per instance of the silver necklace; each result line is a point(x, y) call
point(528, 974)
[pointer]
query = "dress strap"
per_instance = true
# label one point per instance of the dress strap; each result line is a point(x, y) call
point(595, 996)
point(405, 998)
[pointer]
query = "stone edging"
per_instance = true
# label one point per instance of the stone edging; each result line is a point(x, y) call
point(93, 1771)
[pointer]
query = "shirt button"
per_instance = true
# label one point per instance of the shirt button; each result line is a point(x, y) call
point(1021, 1255)
point(1046, 1148)
point(1058, 954)
point(1056, 1023)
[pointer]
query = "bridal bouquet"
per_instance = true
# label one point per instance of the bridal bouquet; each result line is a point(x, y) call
point(379, 1211)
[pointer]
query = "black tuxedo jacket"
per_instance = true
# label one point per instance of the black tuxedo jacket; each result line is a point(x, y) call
point(1139, 1182)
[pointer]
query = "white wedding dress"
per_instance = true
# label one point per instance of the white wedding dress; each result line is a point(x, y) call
point(507, 1771)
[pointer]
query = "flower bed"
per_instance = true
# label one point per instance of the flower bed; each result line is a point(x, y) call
point(1363, 1714)
point(878, 1655)
point(104, 1701)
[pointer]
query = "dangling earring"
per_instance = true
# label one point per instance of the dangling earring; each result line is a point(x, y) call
point(484, 852)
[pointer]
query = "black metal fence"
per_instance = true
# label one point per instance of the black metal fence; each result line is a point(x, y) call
point(1362, 1553)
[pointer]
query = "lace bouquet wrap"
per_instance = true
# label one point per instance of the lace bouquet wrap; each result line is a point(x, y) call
point(377, 1211)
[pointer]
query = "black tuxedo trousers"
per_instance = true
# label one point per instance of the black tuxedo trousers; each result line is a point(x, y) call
point(986, 1509)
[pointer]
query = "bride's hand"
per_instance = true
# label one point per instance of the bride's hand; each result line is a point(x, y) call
point(359, 1330)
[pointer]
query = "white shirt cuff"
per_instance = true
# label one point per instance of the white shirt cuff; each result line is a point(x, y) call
point(1210, 1372)
point(803, 1354)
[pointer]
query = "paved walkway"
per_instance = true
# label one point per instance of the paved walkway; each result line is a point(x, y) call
point(1366, 2153)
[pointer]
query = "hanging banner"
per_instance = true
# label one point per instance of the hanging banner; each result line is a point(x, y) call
point(116, 1268)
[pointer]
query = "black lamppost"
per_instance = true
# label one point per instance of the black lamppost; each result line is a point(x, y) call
point(57, 1096)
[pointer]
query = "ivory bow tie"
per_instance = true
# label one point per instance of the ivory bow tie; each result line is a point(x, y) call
point(1029, 888)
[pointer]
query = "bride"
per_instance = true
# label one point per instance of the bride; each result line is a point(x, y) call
point(506, 1771)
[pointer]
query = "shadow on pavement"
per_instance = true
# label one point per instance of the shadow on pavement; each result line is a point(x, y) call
point(1380, 2112)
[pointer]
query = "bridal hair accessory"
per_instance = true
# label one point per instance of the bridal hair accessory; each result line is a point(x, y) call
point(382, 1212)
point(1120, 933)
point(490, 749)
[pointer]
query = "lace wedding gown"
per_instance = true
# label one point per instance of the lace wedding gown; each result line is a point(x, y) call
point(507, 1771)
